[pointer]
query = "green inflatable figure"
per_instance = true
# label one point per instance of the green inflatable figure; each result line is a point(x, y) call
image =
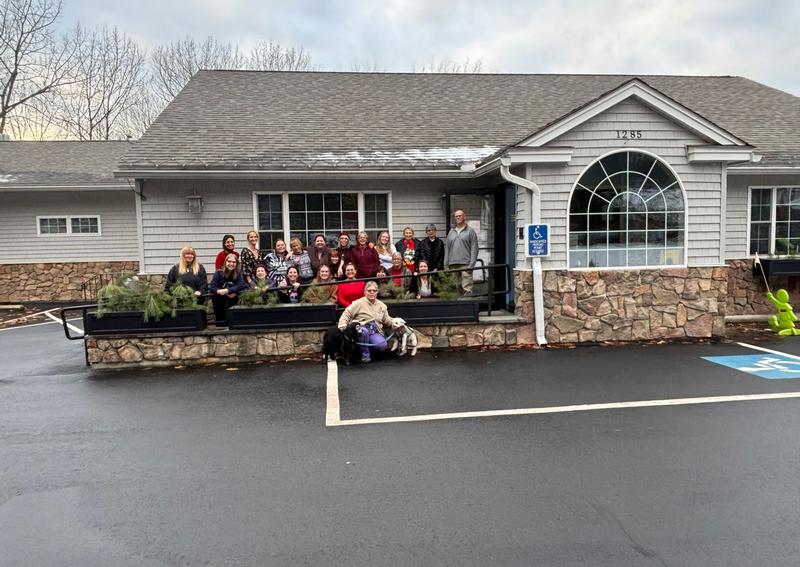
point(783, 322)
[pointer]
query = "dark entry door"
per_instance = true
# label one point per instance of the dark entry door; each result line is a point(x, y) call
point(485, 210)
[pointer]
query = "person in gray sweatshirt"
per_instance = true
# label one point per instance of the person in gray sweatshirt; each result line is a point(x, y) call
point(461, 250)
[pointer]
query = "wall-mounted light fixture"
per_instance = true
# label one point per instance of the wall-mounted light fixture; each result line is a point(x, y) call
point(195, 203)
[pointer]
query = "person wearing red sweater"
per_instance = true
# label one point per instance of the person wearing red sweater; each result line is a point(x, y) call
point(348, 291)
point(364, 257)
point(228, 247)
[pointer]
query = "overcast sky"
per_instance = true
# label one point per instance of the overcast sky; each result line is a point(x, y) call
point(758, 39)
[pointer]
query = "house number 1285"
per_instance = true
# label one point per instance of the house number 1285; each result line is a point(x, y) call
point(629, 134)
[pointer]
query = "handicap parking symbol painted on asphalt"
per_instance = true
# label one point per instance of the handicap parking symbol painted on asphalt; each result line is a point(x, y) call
point(772, 366)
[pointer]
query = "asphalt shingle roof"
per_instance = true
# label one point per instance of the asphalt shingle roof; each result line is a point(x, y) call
point(59, 163)
point(298, 120)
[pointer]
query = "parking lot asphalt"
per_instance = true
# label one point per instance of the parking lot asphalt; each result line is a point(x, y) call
point(235, 466)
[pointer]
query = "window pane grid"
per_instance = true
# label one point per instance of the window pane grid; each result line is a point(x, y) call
point(69, 225)
point(617, 214)
point(53, 225)
point(329, 214)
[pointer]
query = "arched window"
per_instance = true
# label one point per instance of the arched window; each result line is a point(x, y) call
point(627, 209)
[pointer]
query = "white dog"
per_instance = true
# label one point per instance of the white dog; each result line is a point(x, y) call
point(404, 337)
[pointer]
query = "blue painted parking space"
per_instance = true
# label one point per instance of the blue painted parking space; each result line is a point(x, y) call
point(765, 365)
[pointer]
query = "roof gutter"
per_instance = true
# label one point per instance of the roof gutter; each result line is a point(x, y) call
point(536, 263)
point(292, 174)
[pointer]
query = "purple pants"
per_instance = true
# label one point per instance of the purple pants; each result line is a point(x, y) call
point(371, 337)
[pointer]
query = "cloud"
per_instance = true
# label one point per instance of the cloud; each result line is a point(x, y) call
point(756, 39)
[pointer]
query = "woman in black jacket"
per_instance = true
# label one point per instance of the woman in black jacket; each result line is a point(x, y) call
point(188, 271)
point(226, 285)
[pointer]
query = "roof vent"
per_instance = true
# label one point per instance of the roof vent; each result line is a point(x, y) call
point(4, 137)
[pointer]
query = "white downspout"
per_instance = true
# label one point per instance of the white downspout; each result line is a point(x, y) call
point(536, 263)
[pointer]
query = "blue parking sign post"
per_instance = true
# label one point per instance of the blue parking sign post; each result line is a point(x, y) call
point(538, 240)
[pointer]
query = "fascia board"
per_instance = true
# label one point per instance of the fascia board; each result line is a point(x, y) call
point(318, 174)
point(765, 170)
point(67, 188)
point(719, 154)
point(649, 96)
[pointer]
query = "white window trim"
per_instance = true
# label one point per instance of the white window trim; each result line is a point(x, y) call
point(69, 232)
point(685, 263)
point(772, 217)
point(285, 206)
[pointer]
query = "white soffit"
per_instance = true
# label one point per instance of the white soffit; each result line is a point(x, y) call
point(650, 97)
point(550, 154)
point(728, 154)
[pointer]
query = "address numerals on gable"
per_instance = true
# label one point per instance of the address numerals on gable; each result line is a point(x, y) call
point(629, 134)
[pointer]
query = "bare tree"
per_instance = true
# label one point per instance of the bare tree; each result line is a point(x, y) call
point(33, 61)
point(174, 64)
point(447, 65)
point(366, 66)
point(269, 56)
point(110, 75)
point(36, 120)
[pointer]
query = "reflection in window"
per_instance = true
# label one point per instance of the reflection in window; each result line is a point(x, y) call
point(329, 214)
point(627, 209)
point(775, 232)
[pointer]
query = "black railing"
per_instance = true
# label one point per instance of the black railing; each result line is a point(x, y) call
point(90, 287)
point(491, 292)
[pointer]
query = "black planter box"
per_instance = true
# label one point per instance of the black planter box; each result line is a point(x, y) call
point(776, 267)
point(132, 323)
point(435, 311)
point(286, 316)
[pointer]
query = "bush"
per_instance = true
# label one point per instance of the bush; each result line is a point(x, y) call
point(129, 293)
point(448, 285)
point(259, 296)
point(316, 294)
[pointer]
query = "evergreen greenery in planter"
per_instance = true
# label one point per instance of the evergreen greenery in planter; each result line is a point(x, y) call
point(445, 307)
point(129, 293)
point(259, 296)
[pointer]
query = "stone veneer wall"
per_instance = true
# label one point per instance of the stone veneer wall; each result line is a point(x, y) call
point(630, 305)
point(747, 292)
point(219, 346)
point(54, 281)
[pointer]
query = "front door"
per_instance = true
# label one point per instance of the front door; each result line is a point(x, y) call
point(485, 212)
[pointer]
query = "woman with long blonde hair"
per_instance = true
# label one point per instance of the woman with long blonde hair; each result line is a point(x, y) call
point(385, 249)
point(188, 271)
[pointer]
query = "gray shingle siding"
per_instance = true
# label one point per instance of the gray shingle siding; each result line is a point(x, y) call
point(19, 242)
point(167, 223)
point(702, 182)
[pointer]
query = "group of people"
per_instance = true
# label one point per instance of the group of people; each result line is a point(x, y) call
point(336, 271)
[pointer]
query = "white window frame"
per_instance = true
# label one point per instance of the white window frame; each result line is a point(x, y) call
point(685, 215)
point(772, 216)
point(68, 219)
point(285, 206)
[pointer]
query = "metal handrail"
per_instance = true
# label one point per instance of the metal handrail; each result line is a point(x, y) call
point(83, 309)
point(484, 267)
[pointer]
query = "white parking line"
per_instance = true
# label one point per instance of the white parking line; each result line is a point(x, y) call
point(567, 409)
point(332, 415)
point(39, 325)
point(72, 328)
point(333, 412)
point(769, 350)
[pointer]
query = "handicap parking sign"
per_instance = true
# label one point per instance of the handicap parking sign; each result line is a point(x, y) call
point(538, 240)
point(771, 366)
